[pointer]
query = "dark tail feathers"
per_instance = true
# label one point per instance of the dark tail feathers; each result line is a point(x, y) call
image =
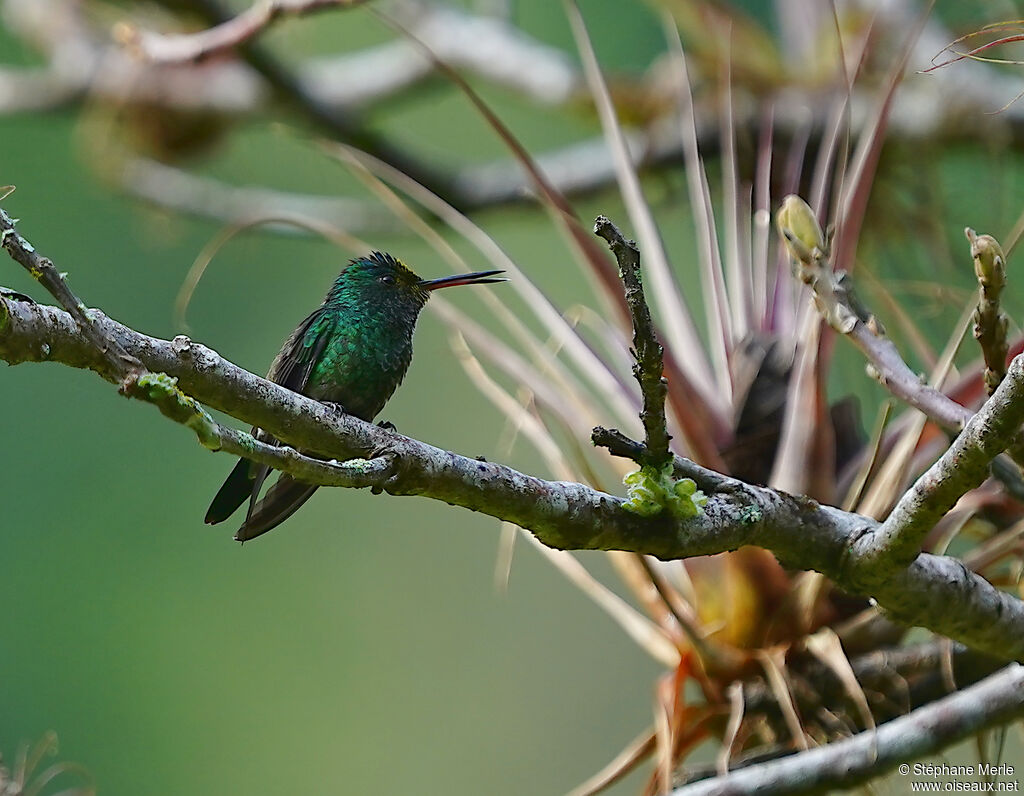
point(236, 490)
point(281, 501)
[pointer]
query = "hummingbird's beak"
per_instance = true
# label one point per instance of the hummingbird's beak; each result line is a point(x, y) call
point(475, 278)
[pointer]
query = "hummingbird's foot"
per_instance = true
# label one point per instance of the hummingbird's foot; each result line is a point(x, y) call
point(387, 425)
point(338, 409)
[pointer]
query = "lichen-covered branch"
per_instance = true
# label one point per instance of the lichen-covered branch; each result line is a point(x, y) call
point(162, 391)
point(934, 591)
point(647, 351)
point(996, 700)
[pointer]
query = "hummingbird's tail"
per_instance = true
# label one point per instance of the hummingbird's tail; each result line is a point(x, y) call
point(236, 490)
point(281, 501)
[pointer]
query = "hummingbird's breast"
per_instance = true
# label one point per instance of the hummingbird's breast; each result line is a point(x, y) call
point(362, 365)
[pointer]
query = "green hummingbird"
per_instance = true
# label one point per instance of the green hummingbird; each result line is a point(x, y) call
point(352, 352)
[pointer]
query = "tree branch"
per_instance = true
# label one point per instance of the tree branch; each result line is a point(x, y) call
point(996, 700)
point(934, 592)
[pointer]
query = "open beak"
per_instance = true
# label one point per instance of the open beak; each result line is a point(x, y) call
point(475, 278)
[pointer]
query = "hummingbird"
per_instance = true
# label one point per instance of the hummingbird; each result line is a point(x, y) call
point(351, 352)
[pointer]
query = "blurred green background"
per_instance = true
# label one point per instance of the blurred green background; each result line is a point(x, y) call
point(362, 647)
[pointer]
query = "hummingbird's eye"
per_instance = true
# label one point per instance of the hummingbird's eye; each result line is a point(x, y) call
point(387, 279)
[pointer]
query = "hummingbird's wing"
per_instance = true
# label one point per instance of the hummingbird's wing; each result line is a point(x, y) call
point(301, 352)
point(291, 369)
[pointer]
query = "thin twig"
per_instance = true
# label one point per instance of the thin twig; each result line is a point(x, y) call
point(990, 323)
point(618, 444)
point(649, 364)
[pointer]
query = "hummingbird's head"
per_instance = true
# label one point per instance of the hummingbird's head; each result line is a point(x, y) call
point(381, 279)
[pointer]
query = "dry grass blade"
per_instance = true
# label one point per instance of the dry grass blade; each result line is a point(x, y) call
point(853, 202)
point(762, 222)
point(401, 210)
point(739, 282)
point(838, 124)
point(860, 480)
point(732, 728)
point(551, 199)
point(503, 560)
point(972, 54)
point(28, 759)
point(680, 610)
point(793, 469)
point(58, 769)
point(992, 550)
point(890, 480)
point(647, 635)
point(949, 527)
point(773, 665)
point(680, 331)
point(664, 704)
point(624, 762)
point(570, 406)
point(525, 422)
point(897, 314)
point(712, 281)
point(827, 648)
point(1012, 237)
point(195, 273)
point(568, 422)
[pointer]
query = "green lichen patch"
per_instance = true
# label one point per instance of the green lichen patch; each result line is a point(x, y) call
point(751, 515)
point(162, 390)
point(650, 490)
